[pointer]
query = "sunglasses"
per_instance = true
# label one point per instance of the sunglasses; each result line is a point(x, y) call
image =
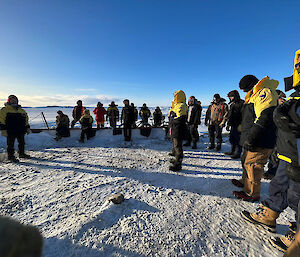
point(297, 65)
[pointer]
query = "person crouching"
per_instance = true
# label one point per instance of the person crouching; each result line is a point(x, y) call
point(14, 125)
point(62, 125)
point(86, 122)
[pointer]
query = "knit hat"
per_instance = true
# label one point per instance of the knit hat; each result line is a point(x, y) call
point(59, 112)
point(217, 96)
point(12, 99)
point(248, 82)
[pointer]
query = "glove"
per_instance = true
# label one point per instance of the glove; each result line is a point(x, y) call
point(4, 133)
point(248, 146)
point(222, 124)
point(228, 128)
point(28, 131)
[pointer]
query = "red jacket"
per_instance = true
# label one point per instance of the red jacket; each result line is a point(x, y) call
point(100, 112)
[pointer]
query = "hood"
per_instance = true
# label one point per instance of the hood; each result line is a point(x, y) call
point(179, 97)
point(235, 94)
point(266, 82)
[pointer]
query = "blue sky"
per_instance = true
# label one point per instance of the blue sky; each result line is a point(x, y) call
point(55, 52)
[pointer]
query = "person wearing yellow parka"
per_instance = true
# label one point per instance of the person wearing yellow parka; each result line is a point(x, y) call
point(178, 129)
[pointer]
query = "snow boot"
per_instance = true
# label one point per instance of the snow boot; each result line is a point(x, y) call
point(237, 183)
point(264, 217)
point(24, 156)
point(13, 159)
point(211, 146)
point(243, 196)
point(188, 143)
point(282, 243)
point(237, 153)
point(176, 165)
point(171, 154)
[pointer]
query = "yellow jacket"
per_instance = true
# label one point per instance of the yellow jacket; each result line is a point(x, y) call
point(263, 96)
point(296, 74)
point(179, 106)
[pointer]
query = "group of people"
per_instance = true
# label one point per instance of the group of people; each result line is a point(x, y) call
point(264, 127)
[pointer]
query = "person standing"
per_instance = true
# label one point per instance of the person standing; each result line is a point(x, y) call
point(157, 117)
point(233, 123)
point(284, 189)
point(145, 114)
point(14, 125)
point(112, 114)
point(215, 119)
point(77, 113)
point(177, 123)
point(127, 118)
point(135, 115)
point(100, 111)
point(258, 135)
point(62, 125)
point(193, 120)
point(86, 122)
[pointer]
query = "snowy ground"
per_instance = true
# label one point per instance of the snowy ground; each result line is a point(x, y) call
point(63, 190)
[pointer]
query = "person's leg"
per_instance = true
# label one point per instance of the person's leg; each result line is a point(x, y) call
point(177, 146)
point(82, 135)
point(254, 165)
point(219, 137)
point(10, 146)
point(195, 136)
point(211, 132)
point(21, 144)
point(188, 136)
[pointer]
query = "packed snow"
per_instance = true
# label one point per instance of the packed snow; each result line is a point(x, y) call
point(63, 190)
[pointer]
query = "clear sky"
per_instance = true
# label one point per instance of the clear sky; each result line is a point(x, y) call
point(55, 52)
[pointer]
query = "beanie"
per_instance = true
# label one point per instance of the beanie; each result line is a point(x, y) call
point(248, 82)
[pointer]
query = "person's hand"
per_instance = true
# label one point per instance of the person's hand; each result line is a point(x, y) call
point(248, 146)
point(222, 124)
point(28, 131)
point(4, 133)
point(228, 128)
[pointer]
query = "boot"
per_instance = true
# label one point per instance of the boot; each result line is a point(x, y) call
point(237, 183)
point(243, 196)
point(24, 156)
point(13, 159)
point(194, 145)
point(188, 143)
point(175, 167)
point(231, 152)
point(264, 217)
point(237, 152)
point(283, 243)
point(218, 148)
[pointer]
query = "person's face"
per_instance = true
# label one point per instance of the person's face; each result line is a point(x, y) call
point(231, 98)
point(79, 103)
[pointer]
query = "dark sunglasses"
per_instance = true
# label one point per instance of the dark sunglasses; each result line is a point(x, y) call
point(297, 65)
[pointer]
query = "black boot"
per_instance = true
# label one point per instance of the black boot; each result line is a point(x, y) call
point(237, 153)
point(12, 158)
point(231, 151)
point(24, 156)
point(176, 166)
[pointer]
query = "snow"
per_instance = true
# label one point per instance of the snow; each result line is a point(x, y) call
point(63, 190)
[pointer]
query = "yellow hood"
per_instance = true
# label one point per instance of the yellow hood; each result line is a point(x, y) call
point(266, 82)
point(296, 74)
point(179, 97)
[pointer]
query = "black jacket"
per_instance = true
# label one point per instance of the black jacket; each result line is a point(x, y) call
point(127, 115)
point(235, 112)
point(288, 124)
point(194, 117)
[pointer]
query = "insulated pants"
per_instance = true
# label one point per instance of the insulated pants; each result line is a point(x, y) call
point(112, 122)
point(283, 191)
point(253, 169)
point(215, 130)
point(192, 135)
point(11, 143)
point(234, 136)
point(177, 150)
point(127, 132)
point(86, 132)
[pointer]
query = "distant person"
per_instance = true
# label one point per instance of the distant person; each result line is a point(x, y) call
point(127, 118)
point(100, 111)
point(157, 117)
point(193, 120)
point(215, 119)
point(145, 114)
point(177, 123)
point(135, 115)
point(14, 125)
point(234, 121)
point(113, 114)
point(86, 122)
point(77, 113)
point(62, 125)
